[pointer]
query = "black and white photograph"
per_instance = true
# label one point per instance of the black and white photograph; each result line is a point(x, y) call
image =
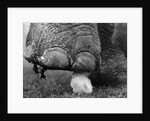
point(72, 60)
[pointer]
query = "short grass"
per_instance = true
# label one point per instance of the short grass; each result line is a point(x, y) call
point(111, 83)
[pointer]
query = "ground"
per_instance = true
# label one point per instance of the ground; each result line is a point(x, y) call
point(112, 82)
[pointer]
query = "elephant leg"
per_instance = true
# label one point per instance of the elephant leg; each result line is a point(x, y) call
point(55, 58)
point(73, 47)
point(85, 61)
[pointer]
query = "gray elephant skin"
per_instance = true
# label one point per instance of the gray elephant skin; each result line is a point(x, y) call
point(65, 46)
point(71, 46)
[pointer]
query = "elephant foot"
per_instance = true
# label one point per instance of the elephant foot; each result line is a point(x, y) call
point(80, 83)
point(85, 62)
point(56, 58)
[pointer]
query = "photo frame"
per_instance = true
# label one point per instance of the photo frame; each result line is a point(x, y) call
point(17, 100)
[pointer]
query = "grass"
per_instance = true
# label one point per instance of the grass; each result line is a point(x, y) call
point(112, 83)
